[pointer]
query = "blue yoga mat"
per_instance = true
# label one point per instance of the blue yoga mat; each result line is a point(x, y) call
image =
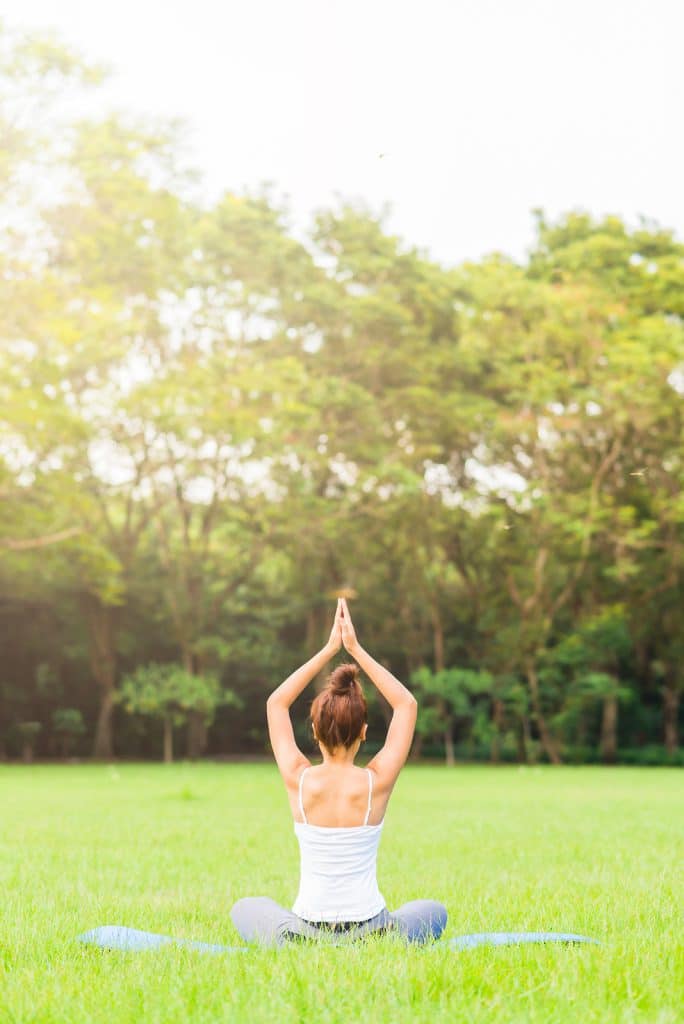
point(134, 941)
point(512, 939)
point(113, 936)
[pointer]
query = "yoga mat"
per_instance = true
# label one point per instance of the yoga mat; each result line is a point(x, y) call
point(113, 936)
point(512, 939)
point(134, 941)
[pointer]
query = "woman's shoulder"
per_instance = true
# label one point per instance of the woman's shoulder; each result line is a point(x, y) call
point(292, 778)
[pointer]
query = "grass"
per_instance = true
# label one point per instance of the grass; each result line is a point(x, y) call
point(169, 849)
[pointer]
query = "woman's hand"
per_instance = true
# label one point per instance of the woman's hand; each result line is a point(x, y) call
point(335, 642)
point(349, 640)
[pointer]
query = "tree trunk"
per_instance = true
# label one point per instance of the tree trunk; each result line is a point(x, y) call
point(438, 652)
point(581, 734)
point(671, 713)
point(27, 752)
point(411, 643)
point(197, 735)
point(168, 739)
point(100, 621)
point(548, 742)
point(449, 742)
point(609, 720)
point(417, 747)
point(103, 747)
point(523, 739)
point(437, 638)
point(314, 631)
point(311, 630)
point(497, 719)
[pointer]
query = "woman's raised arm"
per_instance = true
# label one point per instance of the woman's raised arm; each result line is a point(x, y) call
point(289, 758)
point(389, 761)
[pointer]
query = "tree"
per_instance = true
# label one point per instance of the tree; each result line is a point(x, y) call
point(209, 424)
point(171, 693)
point(68, 725)
point(28, 733)
point(454, 693)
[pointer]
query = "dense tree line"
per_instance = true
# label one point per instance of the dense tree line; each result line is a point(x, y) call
point(211, 424)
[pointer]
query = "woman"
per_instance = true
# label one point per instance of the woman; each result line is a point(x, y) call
point(338, 808)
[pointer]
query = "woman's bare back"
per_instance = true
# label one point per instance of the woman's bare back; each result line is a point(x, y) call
point(336, 796)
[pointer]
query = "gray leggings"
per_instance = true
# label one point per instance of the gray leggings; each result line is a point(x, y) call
point(260, 919)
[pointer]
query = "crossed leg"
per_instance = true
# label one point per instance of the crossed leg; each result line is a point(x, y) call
point(262, 920)
point(420, 920)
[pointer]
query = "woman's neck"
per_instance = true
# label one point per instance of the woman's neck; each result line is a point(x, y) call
point(340, 757)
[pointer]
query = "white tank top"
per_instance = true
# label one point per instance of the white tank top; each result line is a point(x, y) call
point(337, 874)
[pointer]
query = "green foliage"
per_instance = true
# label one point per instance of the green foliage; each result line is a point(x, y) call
point(169, 690)
point(26, 735)
point(173, 695)
point(28, 731)
point(458, 688)
point(68, 722)
point(210, 423)
point(68, 726)
point(452, 695)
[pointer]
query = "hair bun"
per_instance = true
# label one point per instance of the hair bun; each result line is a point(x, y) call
point(342, 680)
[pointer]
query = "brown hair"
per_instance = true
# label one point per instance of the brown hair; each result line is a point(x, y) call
point(339, 712)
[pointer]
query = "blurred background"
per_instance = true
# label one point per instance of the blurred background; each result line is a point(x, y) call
point(384, 300)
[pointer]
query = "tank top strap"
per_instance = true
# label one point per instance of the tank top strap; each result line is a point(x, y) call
point(301, 802)
point(370, 795)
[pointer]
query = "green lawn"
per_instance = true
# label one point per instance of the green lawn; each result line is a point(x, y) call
point(170, 849)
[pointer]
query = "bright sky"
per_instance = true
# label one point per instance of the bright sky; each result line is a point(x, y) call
point(462, 114)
